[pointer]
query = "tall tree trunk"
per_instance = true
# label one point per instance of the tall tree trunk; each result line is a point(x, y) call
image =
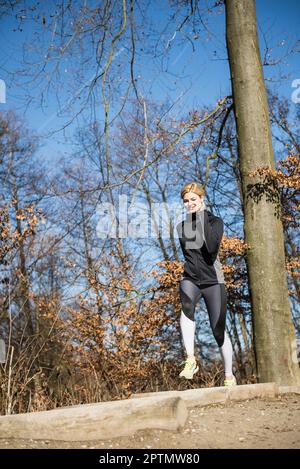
point(274, 334)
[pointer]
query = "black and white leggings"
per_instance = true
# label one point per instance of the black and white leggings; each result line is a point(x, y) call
point(215, 298)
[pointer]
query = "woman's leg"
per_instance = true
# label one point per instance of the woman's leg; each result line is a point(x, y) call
point(215, 298)
point(190, 294)
point(226, 353)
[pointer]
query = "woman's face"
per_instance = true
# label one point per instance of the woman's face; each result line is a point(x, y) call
point(192, 202)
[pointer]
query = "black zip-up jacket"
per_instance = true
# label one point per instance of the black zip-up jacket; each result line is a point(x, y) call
point(200, 235)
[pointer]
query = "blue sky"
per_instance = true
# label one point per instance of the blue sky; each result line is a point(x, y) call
point(190, 78)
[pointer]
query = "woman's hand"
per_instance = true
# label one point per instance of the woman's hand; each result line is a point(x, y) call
point(202, 205)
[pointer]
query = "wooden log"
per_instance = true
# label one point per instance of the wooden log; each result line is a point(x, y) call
point(97, 421)
point(218, 395)
point(289, 389)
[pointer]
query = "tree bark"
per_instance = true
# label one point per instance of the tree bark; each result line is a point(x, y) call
point(274, 334)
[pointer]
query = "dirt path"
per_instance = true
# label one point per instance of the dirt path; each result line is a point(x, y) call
point(256, 423)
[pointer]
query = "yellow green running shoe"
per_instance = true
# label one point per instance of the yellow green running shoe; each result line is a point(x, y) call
point(230, 382)
point(190, 368)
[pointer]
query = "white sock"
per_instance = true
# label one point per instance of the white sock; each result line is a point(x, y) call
point(188, 333)
point(226, 353)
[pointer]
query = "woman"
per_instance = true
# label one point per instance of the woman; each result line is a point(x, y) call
point(200, 236)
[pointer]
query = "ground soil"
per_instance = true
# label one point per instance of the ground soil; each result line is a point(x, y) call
point(255, 423)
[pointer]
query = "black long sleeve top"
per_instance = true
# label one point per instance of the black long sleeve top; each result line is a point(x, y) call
point(200, 236)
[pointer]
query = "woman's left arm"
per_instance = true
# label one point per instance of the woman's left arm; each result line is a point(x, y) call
point(213, 232)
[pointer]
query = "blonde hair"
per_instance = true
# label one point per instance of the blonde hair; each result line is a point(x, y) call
point(193, 187)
